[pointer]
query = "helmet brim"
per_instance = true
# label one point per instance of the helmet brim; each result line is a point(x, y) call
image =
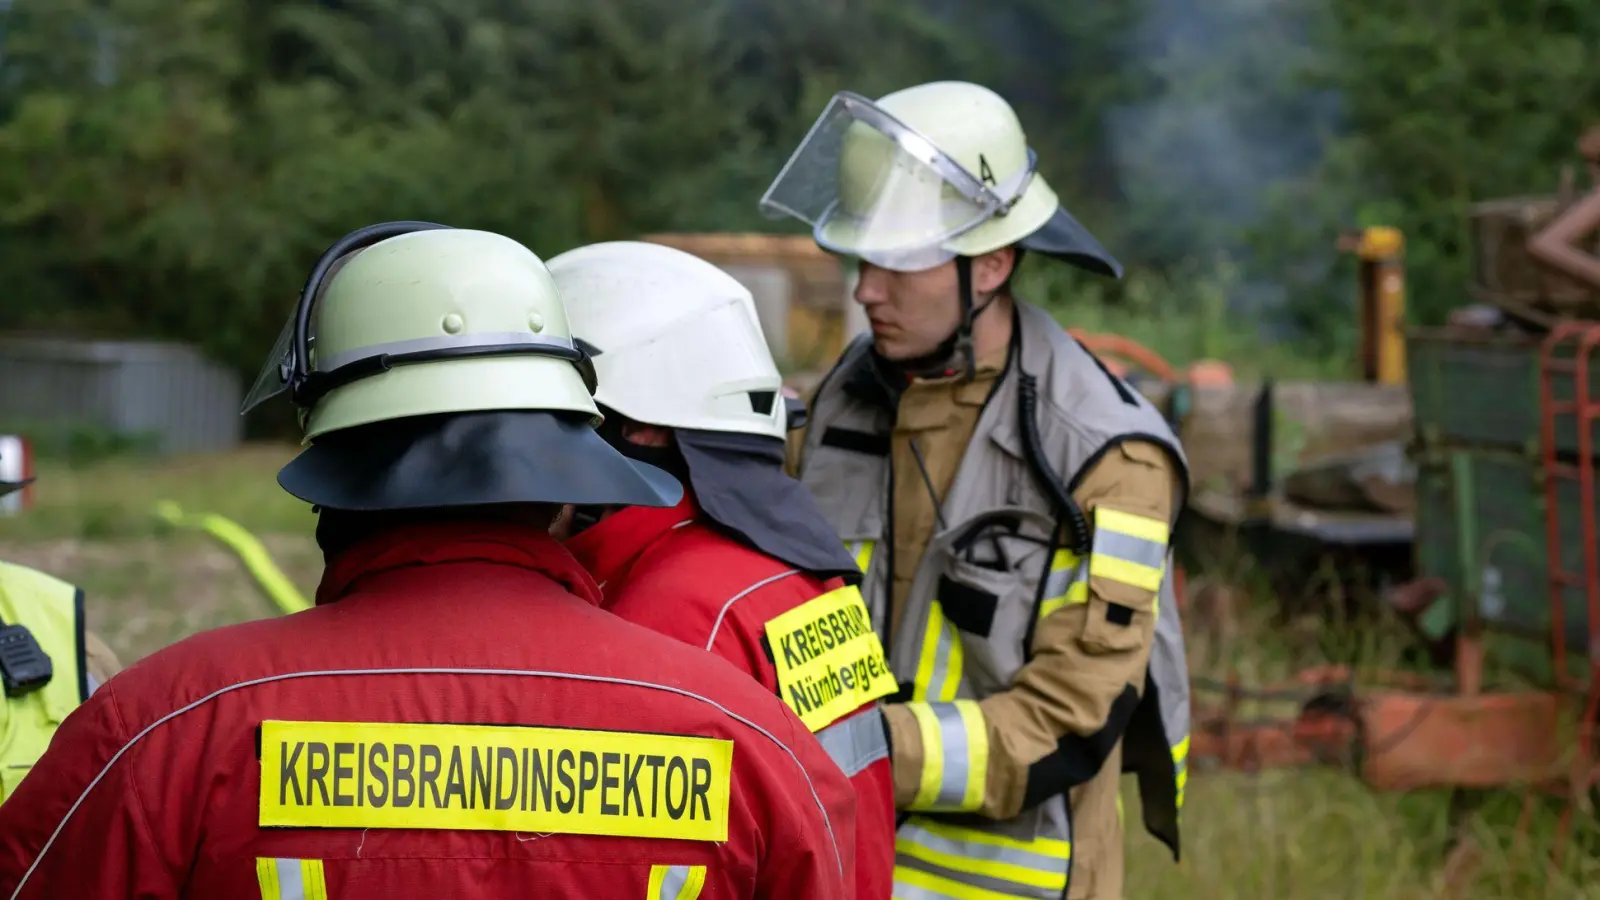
point(472, 459)
point(1064, 237)
point(11, 487)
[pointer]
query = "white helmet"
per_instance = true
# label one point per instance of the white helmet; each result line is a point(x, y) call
point(675, 341)
point(923, 176)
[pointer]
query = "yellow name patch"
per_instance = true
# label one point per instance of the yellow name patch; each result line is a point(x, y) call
point(494, 778)
point(829, 660)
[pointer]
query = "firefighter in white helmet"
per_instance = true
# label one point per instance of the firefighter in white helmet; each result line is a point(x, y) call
point(686, 383)
point(1009, 501)
point(49, 661)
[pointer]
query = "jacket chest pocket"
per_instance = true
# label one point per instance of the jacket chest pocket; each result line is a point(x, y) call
point(989, 581)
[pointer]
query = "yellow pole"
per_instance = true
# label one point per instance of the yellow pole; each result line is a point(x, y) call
point(1382, 251)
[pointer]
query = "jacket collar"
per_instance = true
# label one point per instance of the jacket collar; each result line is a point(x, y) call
point(876, 381)
point(608, 548)
point(496, 543)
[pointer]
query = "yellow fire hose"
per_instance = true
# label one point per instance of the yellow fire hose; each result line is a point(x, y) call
point(255, 557)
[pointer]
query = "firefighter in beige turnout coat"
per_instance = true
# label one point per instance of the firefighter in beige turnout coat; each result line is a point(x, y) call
point(1009, 500)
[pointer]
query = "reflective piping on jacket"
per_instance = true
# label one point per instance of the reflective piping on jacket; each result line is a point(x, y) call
point(938, 861)
point(722, 613)
point(1128, 548)
point(676, 882)
point(1067, 584)
point(833, 839)
point(291, 879)
point(955, 755)
point(856, 742)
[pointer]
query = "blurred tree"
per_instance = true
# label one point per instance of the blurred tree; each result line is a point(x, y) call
point(171, 167)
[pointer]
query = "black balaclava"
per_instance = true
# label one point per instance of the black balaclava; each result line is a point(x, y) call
point(739, 483)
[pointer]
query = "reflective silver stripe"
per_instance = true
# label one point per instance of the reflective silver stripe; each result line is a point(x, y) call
point(672, 882)
point(856, 742)
point(1042, 869)
point(417, 345)
point(717, 626)
point(290, 885)
point(1129, 548)
point(957, 755)
point(452, 671)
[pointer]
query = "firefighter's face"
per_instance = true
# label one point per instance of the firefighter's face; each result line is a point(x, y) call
point(912, 313)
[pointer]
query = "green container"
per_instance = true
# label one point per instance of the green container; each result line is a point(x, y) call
point(1480, 526)
point(1483, 390)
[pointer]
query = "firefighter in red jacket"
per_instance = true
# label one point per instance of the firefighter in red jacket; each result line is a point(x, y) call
point(744, 566)
point(456, 717)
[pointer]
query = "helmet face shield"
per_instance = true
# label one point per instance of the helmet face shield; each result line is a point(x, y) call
point(274, 377)
point(874, 188)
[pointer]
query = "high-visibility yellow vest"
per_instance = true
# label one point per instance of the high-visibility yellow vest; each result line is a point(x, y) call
point(53, 610)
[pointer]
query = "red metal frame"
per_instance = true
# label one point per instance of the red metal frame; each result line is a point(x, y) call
point(1582, 338)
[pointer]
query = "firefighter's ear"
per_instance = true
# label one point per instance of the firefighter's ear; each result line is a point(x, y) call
point(992, 270)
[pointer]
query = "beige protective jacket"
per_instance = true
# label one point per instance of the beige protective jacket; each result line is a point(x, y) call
point(1023, 664)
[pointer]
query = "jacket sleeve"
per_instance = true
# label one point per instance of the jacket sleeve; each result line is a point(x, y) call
point(105, 849)
point(810, 850)
point(1067, 708)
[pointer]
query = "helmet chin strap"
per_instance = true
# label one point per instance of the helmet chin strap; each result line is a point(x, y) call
point(955, 353)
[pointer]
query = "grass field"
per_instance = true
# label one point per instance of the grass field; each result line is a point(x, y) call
point(1285, 834)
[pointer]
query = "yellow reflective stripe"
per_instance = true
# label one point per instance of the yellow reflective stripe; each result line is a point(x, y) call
point(1128, 548)
point(1142, 577)
point(291, 879)
point(988, 868)
point(1180, 762)
point(932, 754)
point(1052, 847)
point(676, 882)
point(1142, 527)
point(936, 886)
point(1066, 585)
point(862, 551)
point(955, 755)
point(267, 877)
point(939, 663)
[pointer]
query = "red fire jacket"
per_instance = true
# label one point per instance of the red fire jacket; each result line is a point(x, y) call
point(309, 755)
point(673, 572)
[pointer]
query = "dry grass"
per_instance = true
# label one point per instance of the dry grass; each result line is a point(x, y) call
point(1285, 834)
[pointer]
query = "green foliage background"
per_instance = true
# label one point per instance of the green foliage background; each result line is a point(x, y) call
point(171, 167)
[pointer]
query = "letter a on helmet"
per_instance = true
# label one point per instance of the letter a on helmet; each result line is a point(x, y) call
point(434, 367)
point(924, 175)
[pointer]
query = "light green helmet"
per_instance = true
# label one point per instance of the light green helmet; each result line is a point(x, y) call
point(479, 308)
point(925, 175)
point(453, 346)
